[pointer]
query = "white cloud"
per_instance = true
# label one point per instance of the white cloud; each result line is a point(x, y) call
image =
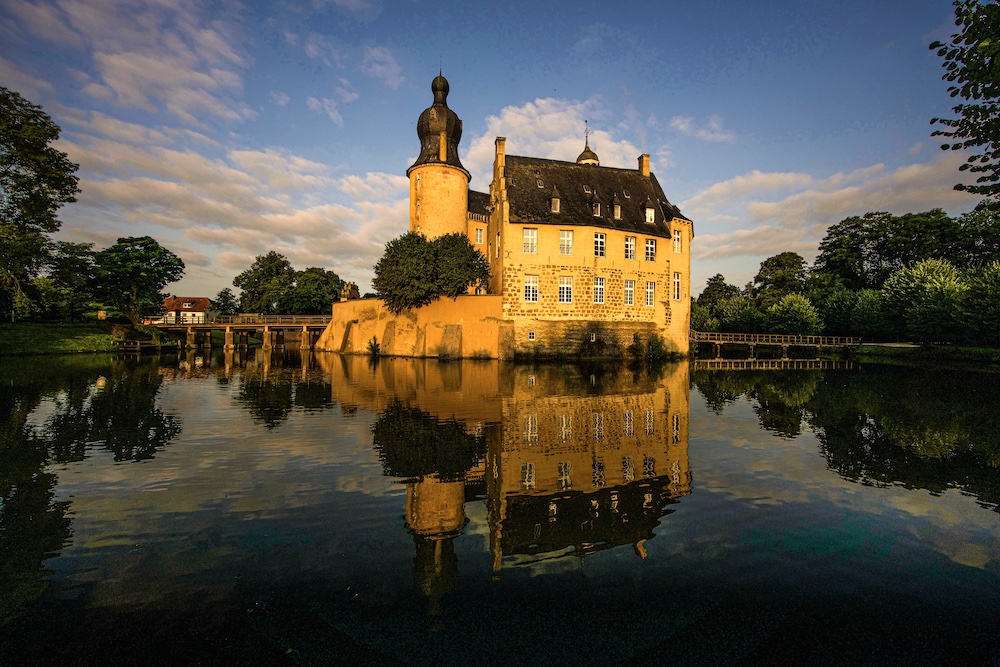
point(327, 106)
point(280, 98)
point(379, 63)
point(547, 128)
point(16, 79)
point(711, 130)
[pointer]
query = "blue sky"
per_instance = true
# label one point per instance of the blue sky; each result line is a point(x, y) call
point(226, 129)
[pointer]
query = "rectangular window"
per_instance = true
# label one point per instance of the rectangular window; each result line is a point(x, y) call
point(650, 250)
point(565, 289)
point(650, 294)
point(628, 469)
point(527, 476)
point(618, 211)
point(599, 244)
point(629, 292)
point(564, 478)
point(566, 242)
point(650, 215)
point(677, 287)
point(530, 241)
point(597, 476)
point(531, 428)
point(555, 204)
point(565, 427)
point(629, 247)
point(531, 289)
point(677, 240)
point(479, 236)
point(496, 250)
point(598, 290)
point(597, 208)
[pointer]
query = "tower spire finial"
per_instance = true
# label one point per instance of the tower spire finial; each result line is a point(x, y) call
point(586, 133)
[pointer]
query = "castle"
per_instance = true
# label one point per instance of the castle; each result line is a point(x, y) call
point(584, 259)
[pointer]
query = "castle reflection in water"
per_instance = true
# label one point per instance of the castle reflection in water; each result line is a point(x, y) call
point(569, 460)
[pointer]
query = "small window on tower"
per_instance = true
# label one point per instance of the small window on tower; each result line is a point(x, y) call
point(586, 188)
point(650, 215)
point(555, 204)
point(597, 208)
point(539, 182)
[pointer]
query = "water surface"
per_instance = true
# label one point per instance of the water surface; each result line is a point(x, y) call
point(251, 509)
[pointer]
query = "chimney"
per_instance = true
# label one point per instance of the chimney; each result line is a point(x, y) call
point(644, 164)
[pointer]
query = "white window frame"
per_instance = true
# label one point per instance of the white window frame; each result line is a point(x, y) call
point(678, 241)
point(479, 236)
point(565, 289)
point(598, 290)
point(530, 237)
point(650, 250)
point(555, 205)
point(677, 286)
point(650, 215)
point(600, 244)
point(650, 294)
point(530, 289)
point(629, 292)
point(629, 247)
point(618, 211)
point(597, 209)
point(565, 241)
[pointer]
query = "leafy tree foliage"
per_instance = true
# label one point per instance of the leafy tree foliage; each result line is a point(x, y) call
point(716, 289)
point(225, 302)
point(740, 314)
point(793, 314)
point(413, 272)
point(925, 301)
point(314, 292)
point(782, 274)
point(972, 67)
point(981, 307)
point(35, 180)
point(265, 283)
point(132, 273)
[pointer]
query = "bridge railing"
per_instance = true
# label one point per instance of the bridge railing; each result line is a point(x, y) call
point(773, 339)
point(247, 318)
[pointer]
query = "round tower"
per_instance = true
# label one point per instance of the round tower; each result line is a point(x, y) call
point(439, 184)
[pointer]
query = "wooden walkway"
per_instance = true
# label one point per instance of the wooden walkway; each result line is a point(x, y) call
point(781, 340)
point(770, 364)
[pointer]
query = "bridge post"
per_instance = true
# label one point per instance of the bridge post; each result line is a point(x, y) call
point(279, 339)
point(228, 339)
point(306, 342)
point(191, 341)
point(207, 340)
point(753, 348)
point(266, 342)
point(784, 351)
point(244, 339)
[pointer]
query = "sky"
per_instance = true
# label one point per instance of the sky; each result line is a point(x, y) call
point(226, 130)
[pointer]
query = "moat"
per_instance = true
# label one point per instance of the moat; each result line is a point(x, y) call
point(244, 508)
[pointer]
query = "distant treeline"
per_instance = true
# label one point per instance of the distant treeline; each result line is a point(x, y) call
point(922, 277)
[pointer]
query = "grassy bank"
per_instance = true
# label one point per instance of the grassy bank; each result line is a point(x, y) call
point(941, 355)
point(24, 338)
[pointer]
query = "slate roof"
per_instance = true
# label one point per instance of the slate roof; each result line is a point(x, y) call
point(530, 202)
point(479, 202)
point(199, 304)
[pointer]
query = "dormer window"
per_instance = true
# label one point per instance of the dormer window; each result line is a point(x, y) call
point(618, 211)
point(555, 204)
point(650, 215)
point(627, 195)
point(597, 208)
point(539, 182)
point(187, 304)
point(586, 188)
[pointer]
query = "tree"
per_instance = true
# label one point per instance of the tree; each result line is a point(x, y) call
point(460, 266)
point(739, 314)
point(71, 269)
point(793, 314)
point(35, 180)
point(132, 273)
point(779, 275)
point(972, 66)
point(925, 300)
point(716, 289)
point(981, 305)
point(314, 292)
point(225, 302)
point(265, 283)
point(413, 272)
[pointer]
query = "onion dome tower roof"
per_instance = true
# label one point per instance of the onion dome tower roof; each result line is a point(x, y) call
point(588, 156)
point(438, 119)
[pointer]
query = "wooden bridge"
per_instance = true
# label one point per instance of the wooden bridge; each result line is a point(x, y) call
point(769, 364)
point(718, 339)
point(270, 329)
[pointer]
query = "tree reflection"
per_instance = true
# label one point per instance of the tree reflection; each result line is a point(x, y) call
point(269, 401)
point(412, 444)
point(882, 426)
